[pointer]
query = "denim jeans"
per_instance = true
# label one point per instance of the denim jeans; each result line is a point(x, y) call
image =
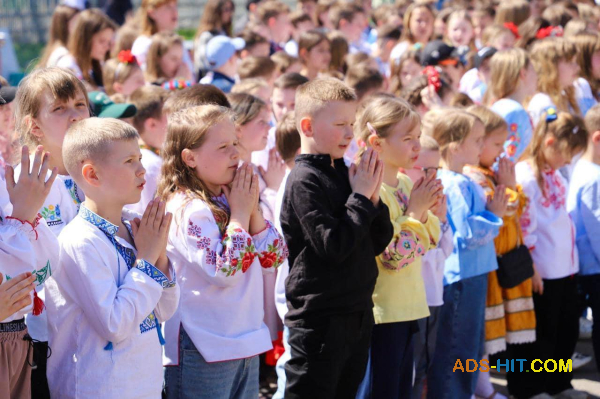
point(460, 336)
point(198, 379)
point(280, 367)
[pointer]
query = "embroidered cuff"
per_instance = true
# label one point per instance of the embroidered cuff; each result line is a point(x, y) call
point(444, 226)
point(25, 225)
point(155, 274)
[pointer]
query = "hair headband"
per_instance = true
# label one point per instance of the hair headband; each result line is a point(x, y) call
point(551, 115)
point(125, 58)
point(513, 28)
point(553, 31)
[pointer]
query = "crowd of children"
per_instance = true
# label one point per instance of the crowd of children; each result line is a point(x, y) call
point(371, 194)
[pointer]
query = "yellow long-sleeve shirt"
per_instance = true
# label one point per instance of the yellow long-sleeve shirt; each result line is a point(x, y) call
point(400, 291)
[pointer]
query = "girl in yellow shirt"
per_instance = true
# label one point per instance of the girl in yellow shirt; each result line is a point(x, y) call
point(391, 127)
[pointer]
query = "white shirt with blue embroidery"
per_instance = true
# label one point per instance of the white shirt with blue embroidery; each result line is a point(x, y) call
point(102, 312)
point(25, 247)
point(61, 206)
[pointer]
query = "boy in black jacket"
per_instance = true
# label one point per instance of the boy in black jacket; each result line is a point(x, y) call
point(334, 225)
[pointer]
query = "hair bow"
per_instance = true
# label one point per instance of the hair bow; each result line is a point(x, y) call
point(126, 57)
point(433, 77)
point(551, 114)
point(554, 31)
point(513, 28)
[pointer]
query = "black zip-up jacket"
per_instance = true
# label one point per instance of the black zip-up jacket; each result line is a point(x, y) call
point(333, 236)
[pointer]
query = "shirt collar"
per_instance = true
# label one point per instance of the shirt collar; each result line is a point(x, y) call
point(98, 221)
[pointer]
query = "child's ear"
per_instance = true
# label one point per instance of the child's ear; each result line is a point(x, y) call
point(343, 23)
point(549, 141)
point(34, 127)
point(596, 137)
point(375, 142)
point(271, 21)
point(306, 126)
point(244, 53)
point(149, 124)
point(90, 175)
point(188, 158)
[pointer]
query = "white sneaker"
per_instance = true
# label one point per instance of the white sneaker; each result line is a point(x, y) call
point(580, 360)
point(585, 328)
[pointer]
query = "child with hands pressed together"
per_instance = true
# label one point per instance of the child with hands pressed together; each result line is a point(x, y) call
point(335, 225)
point(116, 284)
point(392, 128)
point(220, 246)
point(28, 255)
point(475, 223)
point(549, 233)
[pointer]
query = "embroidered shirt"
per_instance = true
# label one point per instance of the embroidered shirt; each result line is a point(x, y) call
point(583, 204)
point(95, 298)
point(547, 228)
point(60, 207)
point(520, 128)
point(400, 280)
point(474, 228)
point(221, 275)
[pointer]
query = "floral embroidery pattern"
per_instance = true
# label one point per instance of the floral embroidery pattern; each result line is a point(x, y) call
point(402, 200)
point(402, 251)
point(554, 190)
point(51, 214)
point(512, 142)
point(203, 243)
point(269, 258)
point(241, 251)
point(193, 230)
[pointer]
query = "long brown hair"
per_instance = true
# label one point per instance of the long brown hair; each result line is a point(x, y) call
point(569, 132)
point(211, 19)
point(587, 44)
point(545, 56)
point(187, 129)
point(89, 23)
point(161, 43)
point(58, 34)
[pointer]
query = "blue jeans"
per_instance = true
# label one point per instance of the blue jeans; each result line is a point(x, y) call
point(461, 337)
point(279, 368)
point(198, 379)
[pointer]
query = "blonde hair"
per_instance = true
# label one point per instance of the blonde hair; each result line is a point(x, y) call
point(515, 11)
point(574, 27)
point(148, 25)
point(90, 139)
point(506, 67)
point(250, 86)
point(245, 107)
point(58, 32)
point(283, 61)
point(314, 96)
point(89, 23)
point(115, 71)
point(428, 143)
point(429, 120)
point(406, 33)
point(188, 129)
point(383, 113)
point(61, 83)
point(461, 14)
point(453, 129)
point(587, 44)
point(592, 119)
point(161, 44)
point(125, 38)
point(493, 32)
point(491, 120)
point(256, 67)
point(545, 56)
point(570, 134)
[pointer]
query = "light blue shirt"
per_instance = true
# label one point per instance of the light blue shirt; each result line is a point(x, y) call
point(473, 226)
point(583, 204)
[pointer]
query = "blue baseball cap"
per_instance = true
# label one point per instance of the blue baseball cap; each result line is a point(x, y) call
point(221, 48)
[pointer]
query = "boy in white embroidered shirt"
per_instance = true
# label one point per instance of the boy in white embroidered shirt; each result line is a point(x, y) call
point(115, 284)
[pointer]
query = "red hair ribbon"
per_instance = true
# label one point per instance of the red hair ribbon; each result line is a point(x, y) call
point(126, 57)
point(433, 77)
point(513, 28)
point(555, 31)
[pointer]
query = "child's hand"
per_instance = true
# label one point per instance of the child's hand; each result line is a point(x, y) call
point(499, 203)
point(430, 98)
point(375, 197)
point(150, 234)
point(424, 195)
point(537, 284)
point(243, 195)
point(365, 176)
point(275, 172)
point(29, 194)
point(440, 209)
point(506, 173)
point(14, 294)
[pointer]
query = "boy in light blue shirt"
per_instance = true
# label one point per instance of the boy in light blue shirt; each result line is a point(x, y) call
point(583, 204)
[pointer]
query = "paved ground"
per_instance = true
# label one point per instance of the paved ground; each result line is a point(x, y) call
point(585, 379)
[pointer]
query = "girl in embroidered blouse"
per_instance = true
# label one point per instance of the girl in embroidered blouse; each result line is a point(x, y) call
point(48, 101)
point(555, 63)
point(392, 127)
point(550, 235)
point(509, 314)
point(513, 80)
point(475, 223)
point(220, 246)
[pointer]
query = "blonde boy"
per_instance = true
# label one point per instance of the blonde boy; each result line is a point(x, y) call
point(115, 284)
point(335, 225)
